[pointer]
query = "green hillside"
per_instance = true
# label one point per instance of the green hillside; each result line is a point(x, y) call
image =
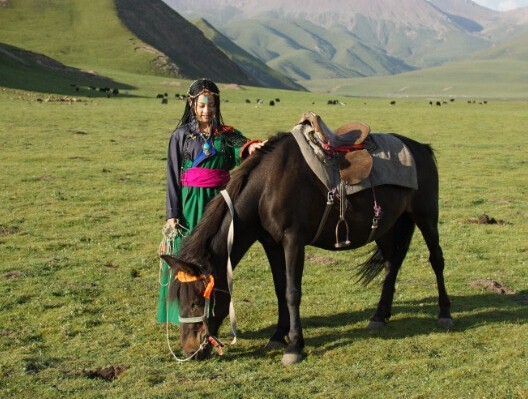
point(499, 79)
point(516, 49)
point(303, 50)
point(30, 71)
point(76, 33)
point(260, 74)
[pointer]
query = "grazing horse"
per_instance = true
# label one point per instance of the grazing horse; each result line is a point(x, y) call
point(279, 201)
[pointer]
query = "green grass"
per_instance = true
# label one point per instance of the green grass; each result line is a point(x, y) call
point(83, 190)
point(75, 33)
point(501, 79)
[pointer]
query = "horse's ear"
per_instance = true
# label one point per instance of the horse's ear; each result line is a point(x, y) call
point(171, 261)
point(179, 265)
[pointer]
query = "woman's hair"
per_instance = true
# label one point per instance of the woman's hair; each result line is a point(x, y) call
point(198, 87)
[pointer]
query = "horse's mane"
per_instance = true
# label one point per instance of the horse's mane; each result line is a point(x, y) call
point(195, 247)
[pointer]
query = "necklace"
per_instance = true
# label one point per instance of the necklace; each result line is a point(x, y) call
point(206, 146)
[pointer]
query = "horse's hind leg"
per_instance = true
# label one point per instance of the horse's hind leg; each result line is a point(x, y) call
point(429, 228)
point(393, 247)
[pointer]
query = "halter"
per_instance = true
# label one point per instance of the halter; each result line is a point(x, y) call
point(183, 277)
point(208, 280)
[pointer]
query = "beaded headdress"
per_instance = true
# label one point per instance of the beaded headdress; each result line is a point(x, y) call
point(203, 90)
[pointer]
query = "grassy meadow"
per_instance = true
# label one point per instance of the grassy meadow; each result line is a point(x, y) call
point(82, 194)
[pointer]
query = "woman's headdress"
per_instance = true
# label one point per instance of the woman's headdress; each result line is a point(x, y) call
point(202, 86)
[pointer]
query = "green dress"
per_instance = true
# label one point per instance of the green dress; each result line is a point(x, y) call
point(193, 200)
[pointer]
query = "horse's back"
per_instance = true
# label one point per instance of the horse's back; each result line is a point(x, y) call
point(426, 197)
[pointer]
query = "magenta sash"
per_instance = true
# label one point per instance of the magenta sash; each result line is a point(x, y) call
point(204, 178)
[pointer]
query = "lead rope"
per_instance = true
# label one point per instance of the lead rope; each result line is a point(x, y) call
point(230, 239)
point(167, 248)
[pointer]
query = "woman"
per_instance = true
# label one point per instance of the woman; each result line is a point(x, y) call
point(202, 150)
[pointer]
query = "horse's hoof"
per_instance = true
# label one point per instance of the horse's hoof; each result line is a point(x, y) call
point(291, 358)
point(275, 345)
point(445, 322)
point(375, 325)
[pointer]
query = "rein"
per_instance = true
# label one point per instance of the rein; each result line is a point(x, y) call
point(230, 240)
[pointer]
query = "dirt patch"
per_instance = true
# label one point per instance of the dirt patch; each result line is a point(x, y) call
point(321, 260)
point(492, 285)
point(175, 84)
point(60, 99)
point(108, 373)
point(486, 219)
point(8, 230)
point(13, 274)
point(111, 264)
point(232, 86)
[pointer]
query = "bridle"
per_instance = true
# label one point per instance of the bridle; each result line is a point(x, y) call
point(208, 281)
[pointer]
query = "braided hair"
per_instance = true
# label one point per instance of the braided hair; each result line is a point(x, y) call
point(199, 87)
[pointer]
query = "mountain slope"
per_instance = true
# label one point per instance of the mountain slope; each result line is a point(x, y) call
point(409, 34)
point(257, 71)
point(75, 32)
point(161, 27)
point(145, 37)
point(26, 70)
point(302, 50)
point(513, 49)
point(465, 79)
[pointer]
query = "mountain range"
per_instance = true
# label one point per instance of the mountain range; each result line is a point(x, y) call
point(314, 39)
point(325, 45)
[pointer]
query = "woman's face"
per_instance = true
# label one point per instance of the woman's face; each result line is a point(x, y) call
point(204, 109)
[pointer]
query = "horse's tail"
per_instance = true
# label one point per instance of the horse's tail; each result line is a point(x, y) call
point(401, 236)
point(370, 269)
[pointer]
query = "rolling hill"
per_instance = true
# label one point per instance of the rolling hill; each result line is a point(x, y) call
point(146, 38)
point(505, 79)
point(303, 50)
point(258, 72)
point(26, 70)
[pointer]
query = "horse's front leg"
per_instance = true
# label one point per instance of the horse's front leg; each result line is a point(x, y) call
point(294, 258)
point(276, 259)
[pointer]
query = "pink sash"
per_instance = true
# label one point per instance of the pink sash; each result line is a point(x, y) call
point(205, 178)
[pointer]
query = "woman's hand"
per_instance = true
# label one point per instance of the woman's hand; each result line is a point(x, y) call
point(171, 223)
point(255, 146)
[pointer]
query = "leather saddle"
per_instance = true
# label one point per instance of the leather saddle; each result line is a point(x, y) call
point(346, 143)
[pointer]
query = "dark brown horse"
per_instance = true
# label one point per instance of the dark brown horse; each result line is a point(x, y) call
point(279, 202)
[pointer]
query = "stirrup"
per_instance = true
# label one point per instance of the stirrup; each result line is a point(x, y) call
point(341, 244)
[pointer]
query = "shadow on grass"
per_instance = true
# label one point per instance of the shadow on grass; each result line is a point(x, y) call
point(25, 70)
point(412, 318)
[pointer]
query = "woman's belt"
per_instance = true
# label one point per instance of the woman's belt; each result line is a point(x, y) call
point(204, 177)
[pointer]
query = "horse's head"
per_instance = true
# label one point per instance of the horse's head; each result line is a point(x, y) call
point(193, 287)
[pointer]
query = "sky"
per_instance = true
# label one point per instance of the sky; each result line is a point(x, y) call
point(502, 5)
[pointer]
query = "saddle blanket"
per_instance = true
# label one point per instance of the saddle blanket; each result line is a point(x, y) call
point(393, 162)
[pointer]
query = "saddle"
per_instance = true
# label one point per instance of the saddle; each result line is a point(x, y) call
point(346, 144)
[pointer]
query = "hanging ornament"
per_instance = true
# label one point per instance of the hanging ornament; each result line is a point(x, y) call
point(206, 147)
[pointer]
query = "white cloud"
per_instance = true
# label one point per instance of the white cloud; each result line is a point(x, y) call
point(502, 5)
point(507, 5)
